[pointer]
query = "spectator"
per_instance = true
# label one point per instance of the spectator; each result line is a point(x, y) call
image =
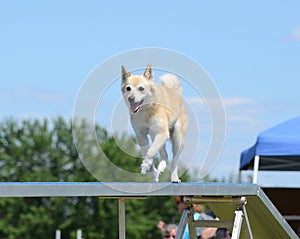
point(199, 214)
point(168, 230)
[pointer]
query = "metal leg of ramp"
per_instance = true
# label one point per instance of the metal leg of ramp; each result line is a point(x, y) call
point(187, 217)
point(122, 219)
point(122, 227)
point(182, 224)
point(237, 226)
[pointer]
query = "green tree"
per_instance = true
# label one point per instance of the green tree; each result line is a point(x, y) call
point(43, 151)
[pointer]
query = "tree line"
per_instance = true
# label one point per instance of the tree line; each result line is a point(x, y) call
point(44, 151)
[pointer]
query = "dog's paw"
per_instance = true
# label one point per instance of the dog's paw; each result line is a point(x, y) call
point(146, 165)
point(178, 181)
point(175, 178)
point(143, 171)
point(162, 166)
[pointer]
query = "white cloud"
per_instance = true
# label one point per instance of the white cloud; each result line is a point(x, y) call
point(295, 35)
point(229, 101)
point(237, 101)
point(239, 110)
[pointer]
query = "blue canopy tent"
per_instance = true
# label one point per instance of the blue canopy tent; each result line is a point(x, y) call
point(276, 149)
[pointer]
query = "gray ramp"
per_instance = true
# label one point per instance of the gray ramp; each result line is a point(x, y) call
point(264, 219)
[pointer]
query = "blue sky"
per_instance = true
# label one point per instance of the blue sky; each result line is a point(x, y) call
point(251, 51)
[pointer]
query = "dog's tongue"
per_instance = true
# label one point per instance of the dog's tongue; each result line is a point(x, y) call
point(134, 107)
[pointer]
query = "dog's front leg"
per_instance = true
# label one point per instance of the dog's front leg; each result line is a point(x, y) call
point(158, 143)
point(143, 142)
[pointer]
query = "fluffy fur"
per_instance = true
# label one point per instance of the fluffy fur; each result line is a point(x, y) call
point(158, 111)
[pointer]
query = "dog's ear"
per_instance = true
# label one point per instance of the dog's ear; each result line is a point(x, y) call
point(125, 73)
point(149, 73)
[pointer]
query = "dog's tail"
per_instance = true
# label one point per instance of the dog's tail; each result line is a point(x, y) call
point(171, 81)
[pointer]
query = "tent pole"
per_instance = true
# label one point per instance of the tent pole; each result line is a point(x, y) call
point(256, 166)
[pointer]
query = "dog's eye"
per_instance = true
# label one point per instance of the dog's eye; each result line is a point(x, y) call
point(141, 88)
point(128, 88)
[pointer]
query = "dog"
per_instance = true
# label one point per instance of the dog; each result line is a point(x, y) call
point(158, 111)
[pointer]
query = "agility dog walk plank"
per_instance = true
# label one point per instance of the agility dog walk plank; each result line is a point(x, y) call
point(74, 189)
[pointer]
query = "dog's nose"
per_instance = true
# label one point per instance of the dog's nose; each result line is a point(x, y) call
point(131, 99)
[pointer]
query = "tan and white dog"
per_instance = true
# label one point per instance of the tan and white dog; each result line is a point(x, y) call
point(158, 111)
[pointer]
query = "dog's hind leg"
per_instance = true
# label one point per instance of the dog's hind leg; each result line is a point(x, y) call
point(177, 147)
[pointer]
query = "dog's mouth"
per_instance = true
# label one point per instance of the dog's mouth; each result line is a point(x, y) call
point(135, 106)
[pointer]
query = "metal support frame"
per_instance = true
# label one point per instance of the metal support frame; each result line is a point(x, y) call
point(182, 224)
point(122, 213)
point(191, 224)
point(122, 219)
point(247, 221)
point(237, 226)
point(188, 218)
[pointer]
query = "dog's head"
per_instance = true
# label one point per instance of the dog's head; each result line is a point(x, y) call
point(137, 89)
